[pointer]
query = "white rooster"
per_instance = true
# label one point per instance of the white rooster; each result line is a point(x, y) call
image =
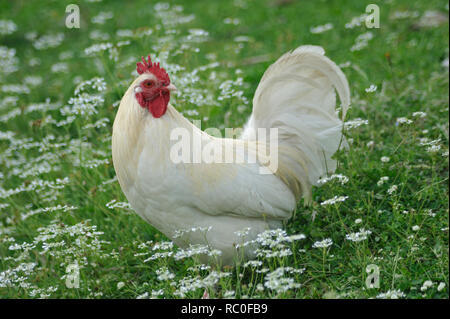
point(296, 95)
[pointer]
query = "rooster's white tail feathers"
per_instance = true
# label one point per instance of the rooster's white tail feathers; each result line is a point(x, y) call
point(297, 95)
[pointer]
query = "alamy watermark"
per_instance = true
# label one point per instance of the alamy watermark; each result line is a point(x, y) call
point(191, 146)
point(373, 276)
point(73, 276)
point(73, 16)
point(373, 16)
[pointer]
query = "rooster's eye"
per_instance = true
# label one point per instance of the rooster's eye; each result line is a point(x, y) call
point(148, 84)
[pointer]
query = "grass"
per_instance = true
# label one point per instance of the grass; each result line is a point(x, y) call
point(60, 203)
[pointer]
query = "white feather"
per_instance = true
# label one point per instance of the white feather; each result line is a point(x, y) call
point(297, 96)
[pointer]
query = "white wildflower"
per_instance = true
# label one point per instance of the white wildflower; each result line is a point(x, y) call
point(242, 38)
point(356, 21)
point(7, 27)
point(419, 114)
point(426, 142)
point(243, 233)
point(274, 238)
point(253, 263)
point(229, 294)
point(60, 67)
point(15, 88)
point(124, 33)
point(99, 35)
point(8, 60)
point(277, 281)
point(48, 41)
point(391, 294)
point(163, 274)
point(143, 296)
point(362, 41)
point(355, 123)
point(341, 178)
point(327, 242)
point(157, 293)
point(427, 284)
point(102, 17)
point(321, 28)
point(404, 14)
point(445, 63)
point(164, 245)
point(115, 204)
point(194, 250)
point(359, 236)
point(33, 80)
point(181, 232)
point(234, 21)
point(34, 61)
point(382, 180)
point(96, 48)
point(372, 88)
point(392, 189)
point(334, 200)
point(403, 120)
point(433, 148)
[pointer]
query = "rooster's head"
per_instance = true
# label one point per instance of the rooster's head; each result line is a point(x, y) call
point(153, 91)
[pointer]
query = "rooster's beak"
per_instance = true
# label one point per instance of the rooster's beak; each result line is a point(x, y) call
point(171, 87)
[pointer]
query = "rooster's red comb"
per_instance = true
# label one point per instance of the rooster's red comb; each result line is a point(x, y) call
point(154, 68)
